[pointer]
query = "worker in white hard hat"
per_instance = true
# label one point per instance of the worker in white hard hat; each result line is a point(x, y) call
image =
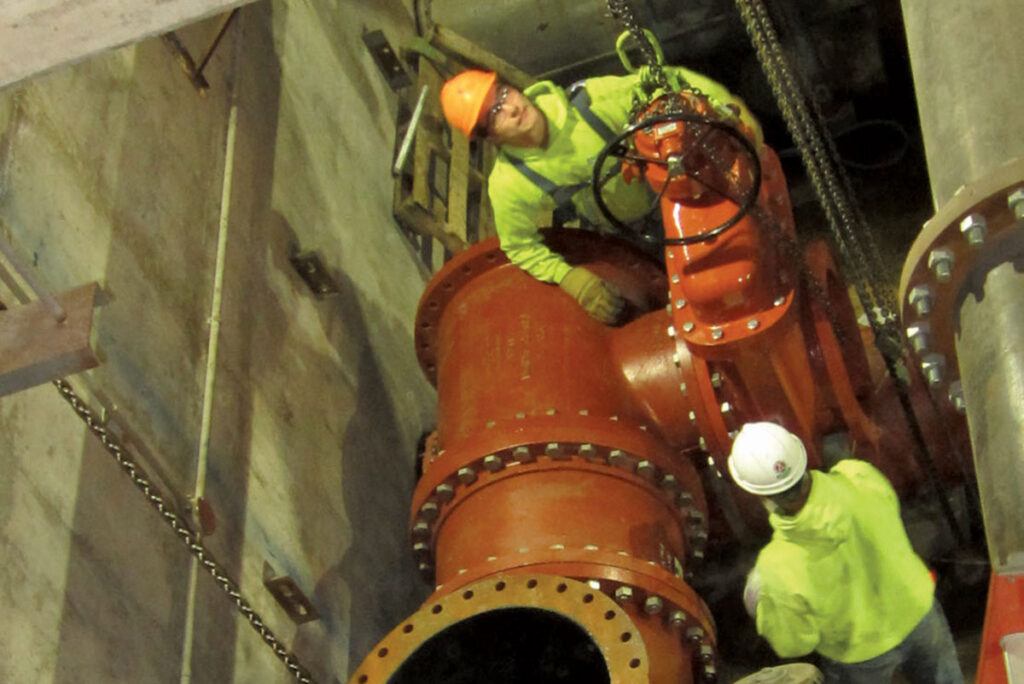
point(839, 576)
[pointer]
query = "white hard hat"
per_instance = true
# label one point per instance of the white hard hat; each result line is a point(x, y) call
point(767, 459)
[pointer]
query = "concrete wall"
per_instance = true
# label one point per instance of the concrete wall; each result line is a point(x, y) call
point(112, 170)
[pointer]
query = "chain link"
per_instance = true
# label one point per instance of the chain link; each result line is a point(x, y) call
point(623, 11)
point(829, 179)
point(847, 223)
point(186, 535)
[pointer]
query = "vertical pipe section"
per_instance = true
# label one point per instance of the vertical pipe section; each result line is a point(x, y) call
point(990, 349)
point(966, 59)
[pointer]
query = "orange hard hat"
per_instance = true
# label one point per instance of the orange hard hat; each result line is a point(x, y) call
point(463, 97)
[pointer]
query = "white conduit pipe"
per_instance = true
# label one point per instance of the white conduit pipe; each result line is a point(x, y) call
point(211, 372)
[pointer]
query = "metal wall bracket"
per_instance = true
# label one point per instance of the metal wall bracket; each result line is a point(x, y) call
point(193, 70)
point(387, 61)
point(312, 270)
point(288, 595)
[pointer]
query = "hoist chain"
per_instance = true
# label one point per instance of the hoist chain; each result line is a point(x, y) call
point(623, 11)
point(187, 536)
point(829, 179)
point(846, 221)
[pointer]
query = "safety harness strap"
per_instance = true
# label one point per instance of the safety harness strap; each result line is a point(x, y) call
point(563, 194)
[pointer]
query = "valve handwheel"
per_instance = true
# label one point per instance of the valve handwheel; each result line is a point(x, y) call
point(686, 155)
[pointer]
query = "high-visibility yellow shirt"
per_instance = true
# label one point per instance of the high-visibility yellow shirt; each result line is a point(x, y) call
point(567, 160)
point(840, 577)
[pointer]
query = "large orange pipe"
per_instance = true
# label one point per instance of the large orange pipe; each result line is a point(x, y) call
point(566, 476)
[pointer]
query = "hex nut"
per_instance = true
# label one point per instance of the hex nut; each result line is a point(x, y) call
point(919, 335)
point(973, 227)
point(921, 298)
point(522, 454)
point(934, 366)
point(752, 324)
point(445, 492)
point(421, 530)
point(587, 451)
point(716, 333)
point(624, 594)
point(1015, 200)
point(646, 469)
point(688, 326)
point(940, 261)
point(695, 634)
point(466, 475)
point(677, 618)
point(652, 605)
point(618, 458)
point(716, 379)
point(554, 450)
point(429, 511)
point(669, 482)
point(493, 463)
point(956, 396)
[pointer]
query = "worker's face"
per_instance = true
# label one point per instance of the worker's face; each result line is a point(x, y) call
point(509, 118)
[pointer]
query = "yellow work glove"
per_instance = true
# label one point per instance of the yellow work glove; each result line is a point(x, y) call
point(598, 297)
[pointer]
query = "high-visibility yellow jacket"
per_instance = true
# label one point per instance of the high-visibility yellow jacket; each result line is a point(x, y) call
point(840, 577)
point(526, 182)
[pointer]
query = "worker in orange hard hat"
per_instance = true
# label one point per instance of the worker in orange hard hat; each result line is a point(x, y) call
point(549, 140)
point(839, 575)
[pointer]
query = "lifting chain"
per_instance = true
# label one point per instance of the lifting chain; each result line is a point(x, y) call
point(829, 179)
point(623, 11)
point(847, 223)
point(845, 218)
point(187, 536)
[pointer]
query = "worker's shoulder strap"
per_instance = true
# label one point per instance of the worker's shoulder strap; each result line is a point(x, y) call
point(562, 194)
point(580, 99)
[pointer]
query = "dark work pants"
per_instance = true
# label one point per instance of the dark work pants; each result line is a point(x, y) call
point(926, 656)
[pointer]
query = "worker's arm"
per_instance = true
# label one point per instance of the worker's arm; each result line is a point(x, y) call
point(515, 218)
point(787, 623)
point(517, 208)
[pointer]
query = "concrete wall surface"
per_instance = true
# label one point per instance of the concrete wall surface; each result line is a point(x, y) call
point(300, 432)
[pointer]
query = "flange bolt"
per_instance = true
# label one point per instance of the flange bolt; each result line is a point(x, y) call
point(940, 260)
point(921, 298)
point(1015, 200)
point(973, 228)
point(934, 368)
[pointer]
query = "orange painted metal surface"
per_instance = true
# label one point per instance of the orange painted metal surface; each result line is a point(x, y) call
point(569, 451)
point(1004, 615)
